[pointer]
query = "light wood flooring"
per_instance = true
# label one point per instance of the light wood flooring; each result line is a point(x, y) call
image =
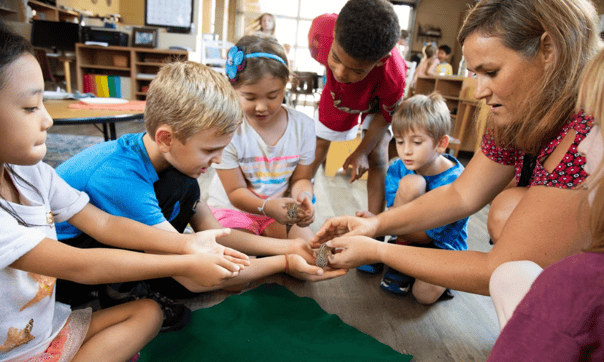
point(461, 329)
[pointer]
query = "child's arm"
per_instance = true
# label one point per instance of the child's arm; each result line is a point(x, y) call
point(203, 219)
point(128, 234)
point(432, 67)
point(302, 190)
point(242, 198)
point(261, 268)
point(358, 159)
point(97, 266)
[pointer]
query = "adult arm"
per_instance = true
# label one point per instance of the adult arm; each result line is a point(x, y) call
point(478, 184)
point(358, 159)
point(545, 227)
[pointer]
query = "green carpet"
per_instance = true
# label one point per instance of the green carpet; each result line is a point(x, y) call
point(268, 323)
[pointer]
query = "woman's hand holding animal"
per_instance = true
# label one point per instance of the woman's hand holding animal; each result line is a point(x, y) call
point(353, 251)
point(345, 226)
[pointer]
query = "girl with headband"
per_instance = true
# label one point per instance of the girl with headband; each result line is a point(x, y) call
point(265, 171)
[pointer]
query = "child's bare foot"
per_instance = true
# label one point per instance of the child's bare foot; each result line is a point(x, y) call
point(364, 213)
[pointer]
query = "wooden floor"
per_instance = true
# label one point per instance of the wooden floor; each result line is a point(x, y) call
point(461, 329)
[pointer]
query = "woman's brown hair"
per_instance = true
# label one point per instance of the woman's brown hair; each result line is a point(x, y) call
point(591, 100)
point(573, 27)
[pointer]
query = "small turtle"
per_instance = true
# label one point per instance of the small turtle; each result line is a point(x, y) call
point(323, 256)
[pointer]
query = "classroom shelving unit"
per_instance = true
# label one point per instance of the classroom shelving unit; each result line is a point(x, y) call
point(139, 64)
point(457, 92)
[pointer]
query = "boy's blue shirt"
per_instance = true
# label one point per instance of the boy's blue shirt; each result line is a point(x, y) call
point(118, 176)
point(452, 236)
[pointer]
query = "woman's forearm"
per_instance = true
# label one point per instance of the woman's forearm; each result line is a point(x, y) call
point(421, 215)
point(468, 271)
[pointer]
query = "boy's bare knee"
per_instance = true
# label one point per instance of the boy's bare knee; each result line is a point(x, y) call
point(426, 293)
point(410, 187)
point(413, 181)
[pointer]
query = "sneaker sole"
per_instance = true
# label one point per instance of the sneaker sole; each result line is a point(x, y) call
point(186, 318)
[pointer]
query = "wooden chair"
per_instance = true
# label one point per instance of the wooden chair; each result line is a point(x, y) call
point(213, 52)
point(45, 66)
point(304, 84)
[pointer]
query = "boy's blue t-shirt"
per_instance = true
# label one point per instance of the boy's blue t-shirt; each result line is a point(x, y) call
point(118, 176)
point(452, 236)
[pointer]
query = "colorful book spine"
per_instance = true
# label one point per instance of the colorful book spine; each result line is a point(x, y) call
point(86, 83)
point(93, 84)
point(104, 86)
point(126, 87)
point(111, 86)
point(118, 86)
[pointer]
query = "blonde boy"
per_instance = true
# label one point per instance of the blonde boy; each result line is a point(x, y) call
point(421, 126)
point(190, 117)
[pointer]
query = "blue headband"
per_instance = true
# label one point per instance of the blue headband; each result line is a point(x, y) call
point(236, 61)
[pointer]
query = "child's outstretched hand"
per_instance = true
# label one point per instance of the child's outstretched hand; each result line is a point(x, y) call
point(209, 270)
point(360, 164)
point(300, 269)
point(305, 201)
point(277, 209)
point(205, 242)
point(301, 247)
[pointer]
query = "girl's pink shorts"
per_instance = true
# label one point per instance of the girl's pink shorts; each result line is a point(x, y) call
point(236, 219)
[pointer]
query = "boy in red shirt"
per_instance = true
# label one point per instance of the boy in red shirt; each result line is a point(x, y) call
point(365, 75)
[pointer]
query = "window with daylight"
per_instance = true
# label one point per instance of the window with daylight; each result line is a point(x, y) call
point(293, 19)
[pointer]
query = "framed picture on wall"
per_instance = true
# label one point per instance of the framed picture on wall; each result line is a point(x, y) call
point(144, 37)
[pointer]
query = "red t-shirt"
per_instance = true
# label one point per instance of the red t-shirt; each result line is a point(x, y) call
point(561, 318)
point(568, 174)
point(340, 103)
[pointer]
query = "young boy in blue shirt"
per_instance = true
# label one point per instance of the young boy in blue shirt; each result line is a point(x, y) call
point(191, 115)
point(421, 126)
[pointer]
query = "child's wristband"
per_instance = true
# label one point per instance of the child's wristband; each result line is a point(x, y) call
point(306, 192)
point(286, 263)
point(261, 209)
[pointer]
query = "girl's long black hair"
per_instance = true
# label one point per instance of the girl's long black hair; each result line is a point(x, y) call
point(12, 46)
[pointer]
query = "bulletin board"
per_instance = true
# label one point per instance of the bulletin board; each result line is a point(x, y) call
point(175, 15)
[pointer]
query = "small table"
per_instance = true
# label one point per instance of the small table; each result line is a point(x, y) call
point(62, 115)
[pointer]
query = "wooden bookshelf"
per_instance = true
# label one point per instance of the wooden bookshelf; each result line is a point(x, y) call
point(10, 10)
point(457, 92)
point(138, 64)
point(46, 11)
